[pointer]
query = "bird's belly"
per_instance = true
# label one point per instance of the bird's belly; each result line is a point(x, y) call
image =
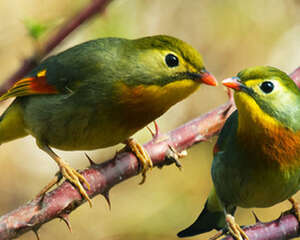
point(87, 139)
point(80, 127)
point(265, 191)
point(248, 187)
point(83, 135)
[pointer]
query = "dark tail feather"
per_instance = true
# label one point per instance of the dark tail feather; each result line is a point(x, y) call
point(207, 221)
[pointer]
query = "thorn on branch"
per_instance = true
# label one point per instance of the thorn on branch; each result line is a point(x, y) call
point(106, 197)
point(92, 163)
point(155, 134)
point(36, 234)
point(173, 156)
point(256, 218)
point(65, 217)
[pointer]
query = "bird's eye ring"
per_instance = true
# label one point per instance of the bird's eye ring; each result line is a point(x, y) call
point(171, 60)
point(267, 87)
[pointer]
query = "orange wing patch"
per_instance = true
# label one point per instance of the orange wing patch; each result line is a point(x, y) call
point(30, 86)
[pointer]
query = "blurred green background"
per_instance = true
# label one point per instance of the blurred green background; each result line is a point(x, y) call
point(231, 35)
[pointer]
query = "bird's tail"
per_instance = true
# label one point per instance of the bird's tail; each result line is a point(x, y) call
point(12, 123)
point(211, 217)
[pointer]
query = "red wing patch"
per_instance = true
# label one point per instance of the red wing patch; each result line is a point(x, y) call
point(30, 86)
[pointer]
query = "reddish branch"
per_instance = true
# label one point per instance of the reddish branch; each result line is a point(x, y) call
point(96, 6)
point(60, 202)
point(285, 227)
point(102, 177)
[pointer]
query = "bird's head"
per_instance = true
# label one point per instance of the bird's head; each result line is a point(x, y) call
point(263, 92)
point(167, 59)
point(165, 69)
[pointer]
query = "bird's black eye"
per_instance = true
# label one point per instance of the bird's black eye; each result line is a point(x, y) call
point(267, 87)
point(171, 60)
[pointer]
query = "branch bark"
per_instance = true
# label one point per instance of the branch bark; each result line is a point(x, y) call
point(60, 202)
point(96, 6)
point(102, 177)
point(285, 227)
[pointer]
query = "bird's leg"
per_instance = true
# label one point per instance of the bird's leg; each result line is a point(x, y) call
point(234, 229)
point(142, 155)
point(296, 207)
point(69, 173)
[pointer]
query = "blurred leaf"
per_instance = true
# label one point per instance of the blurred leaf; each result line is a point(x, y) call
point(35, 28)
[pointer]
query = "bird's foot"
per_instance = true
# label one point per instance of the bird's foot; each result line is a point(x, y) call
point(234, 229)
point(295, 208)
point(76, 178)
point(142, 155)
point(73, 176)
point(69, 173)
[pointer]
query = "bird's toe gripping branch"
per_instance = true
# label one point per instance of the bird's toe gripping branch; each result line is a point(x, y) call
point(73, 176)
point(234, 229)
point(76, 178)
point(68, 172)
point(142, 155)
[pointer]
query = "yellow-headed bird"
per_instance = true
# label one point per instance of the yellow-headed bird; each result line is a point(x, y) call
point(99, 93)
point(257, 155)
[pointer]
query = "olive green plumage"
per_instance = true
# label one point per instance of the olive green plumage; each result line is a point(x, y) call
point(99, 93)
point(257, 155)
point(88, 106)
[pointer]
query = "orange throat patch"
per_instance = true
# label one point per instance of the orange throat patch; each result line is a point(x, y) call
point(265, 137)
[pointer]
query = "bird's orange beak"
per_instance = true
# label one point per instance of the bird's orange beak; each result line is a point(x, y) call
point(234, 83)
point(208, 79)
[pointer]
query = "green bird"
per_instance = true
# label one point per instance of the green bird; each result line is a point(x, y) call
point(257, 155)
point(99, 93)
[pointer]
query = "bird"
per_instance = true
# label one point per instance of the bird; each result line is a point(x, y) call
point(257, 155)
point(99, 93)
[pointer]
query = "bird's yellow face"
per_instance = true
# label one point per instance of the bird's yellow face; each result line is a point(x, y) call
point(268, 113)
point(266, 95)
point(251, 102)
point(173, 79)
point(166, 70)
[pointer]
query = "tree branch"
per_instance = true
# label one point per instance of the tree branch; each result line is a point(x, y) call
point(102, 177)
point(96, 6)
point(285, 227)
point(60, 202)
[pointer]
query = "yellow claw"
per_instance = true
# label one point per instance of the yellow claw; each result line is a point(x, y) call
point(234, 229)
point(69, 173)
point(76, 178)
point(142, 155)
